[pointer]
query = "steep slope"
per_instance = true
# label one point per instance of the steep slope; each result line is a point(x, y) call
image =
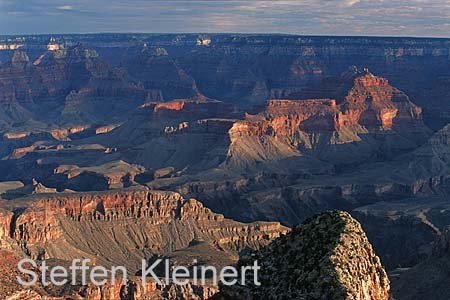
point(428, 279)
point(39, 86)
point(120, 228)
point(404, 231)
point(154, 69)
point(327, 257)
point(74, 85)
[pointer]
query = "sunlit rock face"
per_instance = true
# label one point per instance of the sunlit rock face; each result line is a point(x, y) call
point(122, 228)
point(59, 226)
point(53, 45)
point(368, 106)
point(370, 102)
point(10, 46)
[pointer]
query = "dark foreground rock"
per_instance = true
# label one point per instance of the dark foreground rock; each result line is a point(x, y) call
point(328, 257)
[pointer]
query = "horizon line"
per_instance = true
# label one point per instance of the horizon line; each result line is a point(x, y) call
point(229, 33)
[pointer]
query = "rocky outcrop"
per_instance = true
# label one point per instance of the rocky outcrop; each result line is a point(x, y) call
point(377, 104)
point(328, 257)
point(287, 117)
point(121, 228)
point(105, 129)
point(16, 135)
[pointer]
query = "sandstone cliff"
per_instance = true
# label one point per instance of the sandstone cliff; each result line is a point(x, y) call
point(346, 131)
point(125, 226)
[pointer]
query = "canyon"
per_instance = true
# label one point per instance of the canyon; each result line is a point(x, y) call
point(123, 147)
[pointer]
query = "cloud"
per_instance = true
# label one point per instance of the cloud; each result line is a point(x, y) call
point(315, 17)
point(349, 3)
point(65, 8)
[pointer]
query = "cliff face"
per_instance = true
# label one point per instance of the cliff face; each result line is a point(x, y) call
point(155, 69)
point(370, 107)
point(79, 87)
point(121, 228)
point(378, 104)
point(136, 290)
point(242, 69)
point(327, 257)
point(126, 226)
point(100, 115)
point(49, 76)
point(370, 102)
point(5, 225)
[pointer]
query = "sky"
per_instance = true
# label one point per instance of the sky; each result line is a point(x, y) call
point(310, 17)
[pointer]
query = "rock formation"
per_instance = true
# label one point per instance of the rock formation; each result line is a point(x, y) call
point(121, 228)
point(125, 226)
point(318, 127)
point(328, 257)
point(115, 174)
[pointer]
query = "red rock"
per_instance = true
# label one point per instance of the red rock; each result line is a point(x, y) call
point(16, 135)
point(50, 219)
point(5, 224)
point(371, 103)
point(197, 108)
